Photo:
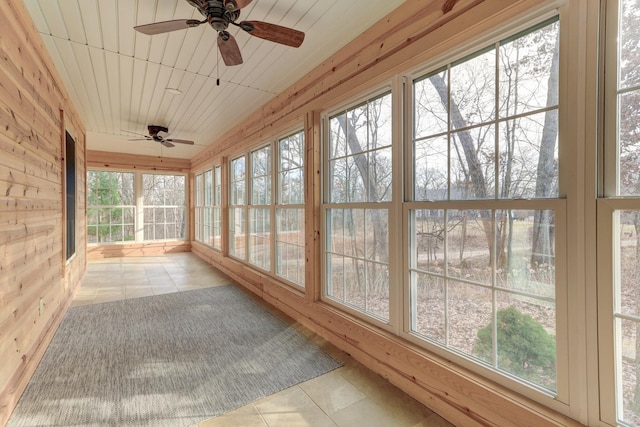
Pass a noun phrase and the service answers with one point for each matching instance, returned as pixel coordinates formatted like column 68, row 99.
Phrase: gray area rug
column 167, row 360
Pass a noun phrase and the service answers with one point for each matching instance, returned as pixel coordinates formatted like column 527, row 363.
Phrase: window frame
column 610, row 201
column 391, row 88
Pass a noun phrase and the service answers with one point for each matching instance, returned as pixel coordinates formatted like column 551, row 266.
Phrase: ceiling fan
column 154, row 135
column 219, row 14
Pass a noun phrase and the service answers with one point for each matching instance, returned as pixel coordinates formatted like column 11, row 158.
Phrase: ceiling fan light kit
column 219, row 14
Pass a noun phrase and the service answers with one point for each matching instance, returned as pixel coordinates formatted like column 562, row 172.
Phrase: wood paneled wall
column 407, row 38
column 36, row 281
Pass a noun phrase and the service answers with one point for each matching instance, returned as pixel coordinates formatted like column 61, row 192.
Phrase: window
column 290, row 255
column 111, row 208
column 619, row 218
column 217, row 206
column 237, row 208
column 135, row 207
column 207, row 229
column 485, row 213
column 358, row 196
column 260, row 209
column 164, row 207
column 70, row 199
column 199, row 204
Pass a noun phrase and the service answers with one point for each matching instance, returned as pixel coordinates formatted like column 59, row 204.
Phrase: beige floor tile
column 292, row 408
column 247, row 416
column 331, row 392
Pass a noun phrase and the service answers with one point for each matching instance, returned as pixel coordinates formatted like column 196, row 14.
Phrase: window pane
column 362, row 172
column 431, row 103
column 358, row 240
column 528, row 246
column 429, row 302
column 166, row 193
column 473, row 164
column 628, row 41
column 237, row 182
column 110, row 198
column 260, row 238
column 291, row 169
column 529, row 156
column 237, row 238
column 528, row 71
column 629, row 140
column 473, row 90
column 261, row 176
column 466, row 272
column 469, row 242
column 290, row 262
column 526, row 339
column 431, row 166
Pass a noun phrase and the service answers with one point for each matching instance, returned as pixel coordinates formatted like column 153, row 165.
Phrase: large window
column 260, row 209
column 290, row 236
column 237, row 207
column 164, row 206
column 619, row 217
column 136, row 207
column 358, row 170
column 207, row 214
column 217, row 206
column 199, row 205
column 482, row 259
column 111, row 208
column 273, row 214
column 208, row 198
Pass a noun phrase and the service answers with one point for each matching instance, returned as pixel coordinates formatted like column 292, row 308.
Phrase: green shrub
column 525, row 348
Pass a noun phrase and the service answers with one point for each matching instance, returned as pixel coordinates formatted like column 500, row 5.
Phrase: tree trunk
column 381, row 239
column 474, row 171
column 542, row 240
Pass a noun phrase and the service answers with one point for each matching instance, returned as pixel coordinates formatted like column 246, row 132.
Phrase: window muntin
column 359, row 172
column 110, row 207
column 485, row 132
column 290, row 230
column 237, row 208
column 164, row 206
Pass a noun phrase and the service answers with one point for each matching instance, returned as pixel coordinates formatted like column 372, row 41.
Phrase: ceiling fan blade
column 273, row 32
column 167, row 26
column 167, row 144
column 229, row 49
column 233, row 5
column 243, row 3
column 180, row 141
column 140, row 139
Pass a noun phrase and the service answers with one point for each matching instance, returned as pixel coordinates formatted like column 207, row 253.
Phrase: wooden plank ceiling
column 117, row 77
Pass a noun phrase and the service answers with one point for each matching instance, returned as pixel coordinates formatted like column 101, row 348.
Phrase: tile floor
column 349, row 396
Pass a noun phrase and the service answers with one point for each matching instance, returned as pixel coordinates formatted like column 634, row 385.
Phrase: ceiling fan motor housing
column 155, row 129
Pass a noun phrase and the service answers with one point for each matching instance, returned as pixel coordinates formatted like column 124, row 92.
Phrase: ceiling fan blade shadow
column 273, row 32
column 167, row 26
column 180, row 141
column 167, row 144
column 229, row 50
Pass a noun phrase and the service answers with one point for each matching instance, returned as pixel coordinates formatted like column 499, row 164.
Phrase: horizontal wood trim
column 136, row 249
column 119, row 161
